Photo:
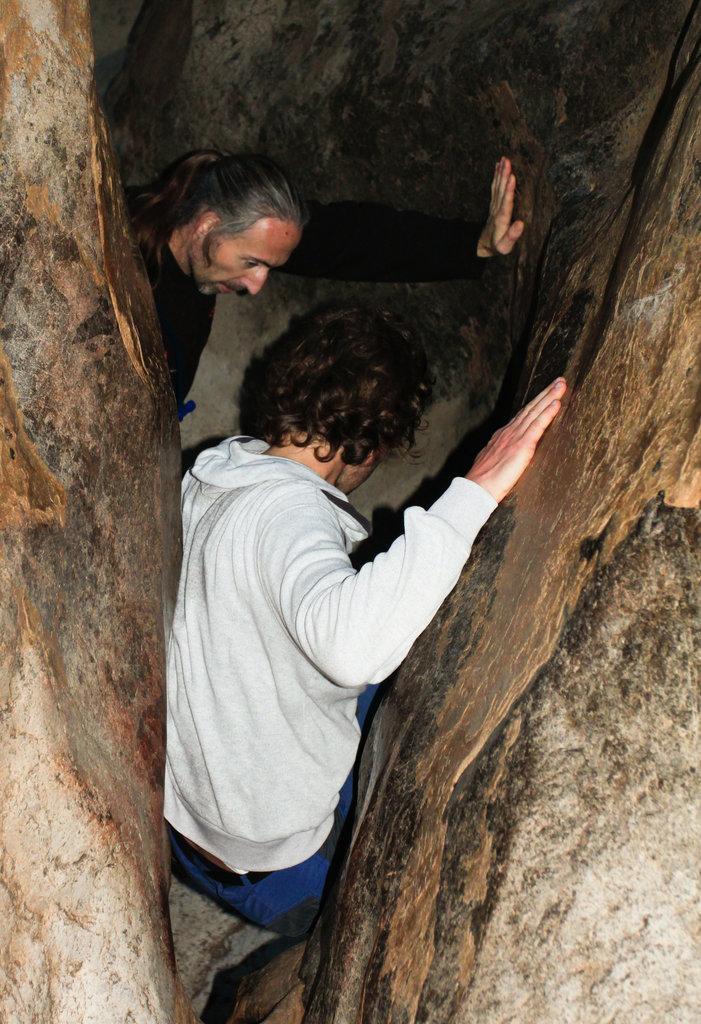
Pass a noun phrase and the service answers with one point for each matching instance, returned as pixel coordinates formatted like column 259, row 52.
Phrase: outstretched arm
column 499, row 235
column 349, row 241
column 501, row 463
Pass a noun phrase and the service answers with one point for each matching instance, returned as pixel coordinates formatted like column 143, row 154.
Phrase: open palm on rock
column 499, row 235
column 501, row 463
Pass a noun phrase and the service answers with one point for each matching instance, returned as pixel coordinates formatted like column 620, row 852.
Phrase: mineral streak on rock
column 28, row 491
column 88, row 556
column 132, row 302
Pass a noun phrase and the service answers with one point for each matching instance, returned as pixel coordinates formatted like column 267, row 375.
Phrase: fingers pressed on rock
column 538, row 405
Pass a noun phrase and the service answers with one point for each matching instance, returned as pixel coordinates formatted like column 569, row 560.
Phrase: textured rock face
column 552, row 876
column 89, row 551
column 591, row 806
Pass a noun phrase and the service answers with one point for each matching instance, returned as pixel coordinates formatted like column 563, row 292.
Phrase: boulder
column 89, row 555
column 528, row 837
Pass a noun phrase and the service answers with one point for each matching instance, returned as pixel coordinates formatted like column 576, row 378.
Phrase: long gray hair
column 239, row 188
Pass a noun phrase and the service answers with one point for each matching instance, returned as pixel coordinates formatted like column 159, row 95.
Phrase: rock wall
column 89, row 470
column 528, row 829
column 537, row 860
column 589, row 805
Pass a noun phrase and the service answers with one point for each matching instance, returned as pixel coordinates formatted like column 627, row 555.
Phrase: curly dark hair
column 355, row 379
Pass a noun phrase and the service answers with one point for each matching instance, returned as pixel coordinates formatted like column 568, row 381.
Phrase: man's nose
column 256, row 278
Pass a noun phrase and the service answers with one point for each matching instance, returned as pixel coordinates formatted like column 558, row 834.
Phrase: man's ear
column 322, row 450
column 205, row 223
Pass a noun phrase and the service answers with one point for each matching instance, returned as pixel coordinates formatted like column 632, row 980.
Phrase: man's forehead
column 268, row 240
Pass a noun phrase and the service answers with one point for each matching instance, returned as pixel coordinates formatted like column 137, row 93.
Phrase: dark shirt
column 343, row 241
column 350, row 241
column 186, row 320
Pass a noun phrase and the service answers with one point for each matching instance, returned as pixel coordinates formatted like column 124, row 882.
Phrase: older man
column 216, row 223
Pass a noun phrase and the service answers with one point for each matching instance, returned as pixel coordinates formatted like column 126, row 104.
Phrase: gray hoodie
column 275, row 636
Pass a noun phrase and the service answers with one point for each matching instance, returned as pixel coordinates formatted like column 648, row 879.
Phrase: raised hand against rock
column 500, row 235
column 501, row 463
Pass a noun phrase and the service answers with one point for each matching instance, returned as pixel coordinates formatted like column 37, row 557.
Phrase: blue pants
column 285, row 901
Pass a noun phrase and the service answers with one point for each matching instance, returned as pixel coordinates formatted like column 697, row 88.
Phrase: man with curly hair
column 276, row 637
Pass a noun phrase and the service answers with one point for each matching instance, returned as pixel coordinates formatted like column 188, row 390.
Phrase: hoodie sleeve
column 356, row 627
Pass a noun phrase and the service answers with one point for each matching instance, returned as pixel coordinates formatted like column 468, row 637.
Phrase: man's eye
column 252, row 263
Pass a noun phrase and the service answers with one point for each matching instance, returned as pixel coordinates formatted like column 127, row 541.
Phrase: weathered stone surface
column 88, row 555
column 585, row 816
column 214, row 949
column 622, row 318
column 273, row 994
column 112, row 21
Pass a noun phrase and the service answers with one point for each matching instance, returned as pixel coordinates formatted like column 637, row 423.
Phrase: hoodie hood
column 242, row 462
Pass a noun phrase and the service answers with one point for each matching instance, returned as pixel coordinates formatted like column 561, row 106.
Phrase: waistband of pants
column 213, row 871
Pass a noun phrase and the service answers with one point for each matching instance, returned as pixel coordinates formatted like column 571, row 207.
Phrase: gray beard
column 206, row 288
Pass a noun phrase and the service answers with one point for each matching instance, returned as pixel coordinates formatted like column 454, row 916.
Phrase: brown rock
column 273, row 994
column 528, row 831
column 88, row 558
column 422, row 888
